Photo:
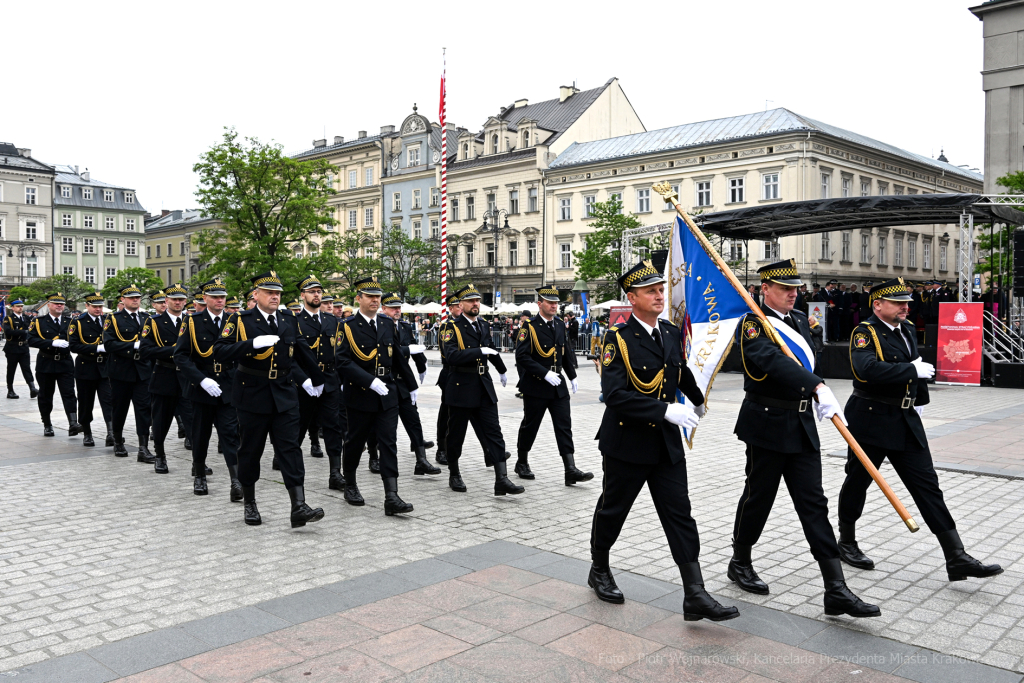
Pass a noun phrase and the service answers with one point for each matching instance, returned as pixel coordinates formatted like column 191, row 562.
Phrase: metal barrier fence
column 505, row 341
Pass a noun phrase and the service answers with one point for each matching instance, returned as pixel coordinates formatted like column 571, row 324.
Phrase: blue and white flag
column 705, row 305
column 796, row 343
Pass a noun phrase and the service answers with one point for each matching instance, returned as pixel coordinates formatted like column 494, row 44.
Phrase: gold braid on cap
column 779, row 272
column 267, row 280
column 368, row 285
column 899, row 288
column 646, row 271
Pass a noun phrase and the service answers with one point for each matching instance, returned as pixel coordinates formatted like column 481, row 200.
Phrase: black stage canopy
column 850, row 213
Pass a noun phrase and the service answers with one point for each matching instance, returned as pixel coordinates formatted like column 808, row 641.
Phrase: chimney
column 24, row 151
column 362, row 134
column 320, row 143
column 339, row 139
column 385, row 130
column 76, row 169
column 521, row 103
column 566, row 91
column 164, row 212
column 85, row 175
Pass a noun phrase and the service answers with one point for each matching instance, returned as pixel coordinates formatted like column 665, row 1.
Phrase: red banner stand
column 959, row 343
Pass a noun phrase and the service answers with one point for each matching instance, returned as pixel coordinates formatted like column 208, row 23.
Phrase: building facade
column 99, row 228
column 170, row 251
column 412, row 187
column 26, row 214
column 764, row 158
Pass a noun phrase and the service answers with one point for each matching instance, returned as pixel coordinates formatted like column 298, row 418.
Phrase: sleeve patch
column 522, row 334
column 447, row 335
column 145, row 331
column 228, row 330
column 750, row 330
column 609, row 354
column 71, row 330
column 106, row 323
column 860, row 340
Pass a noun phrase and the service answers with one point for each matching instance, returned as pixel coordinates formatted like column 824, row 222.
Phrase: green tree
column 73, row 289
column 350, row 264
column 23, row 294
column 997, row 245
column 600, row 263
column 410, row 266
column 143, row 278
column 270, row 207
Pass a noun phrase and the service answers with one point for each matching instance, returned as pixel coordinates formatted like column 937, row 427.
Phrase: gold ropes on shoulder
column 99, row 338
column 244, row 337
column 113, row 319
column 195, row 344
column 643, row 387
column 536, row 344
column 156, row 333
column 355, row 349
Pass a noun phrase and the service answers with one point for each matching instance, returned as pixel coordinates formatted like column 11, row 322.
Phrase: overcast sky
column 135, row 91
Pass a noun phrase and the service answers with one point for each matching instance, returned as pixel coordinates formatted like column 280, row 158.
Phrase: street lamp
column 493, row 227
column 23, row 250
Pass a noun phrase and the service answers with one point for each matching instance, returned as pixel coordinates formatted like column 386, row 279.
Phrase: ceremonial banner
column 959, row 343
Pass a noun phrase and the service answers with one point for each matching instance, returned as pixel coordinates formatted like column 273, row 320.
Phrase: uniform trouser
column 442, row 428
column 88, row 390
column 914, row 466
column 206, row 416
column 533, row 414
column 802, row 471
column 184, row 413
column 410, row 416
column 163, row 408
column 283, row 429
column 322, row 410
column 361, row 425
column 136, row 394
column 485, row 423
column 48, row 381
column 667, row 483
column 13, row 361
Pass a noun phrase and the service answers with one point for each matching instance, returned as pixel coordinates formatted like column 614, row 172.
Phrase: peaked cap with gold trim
column 96, row 299
column 781, row 272
column 131, row 290
column 309, row 282
column 214, row 287
column 640, row 275
column 391, row 300
column 890, row 290
column 268, row 280
column 468, row 292
column 176, row 291
column 548, row 293
column 368, row 285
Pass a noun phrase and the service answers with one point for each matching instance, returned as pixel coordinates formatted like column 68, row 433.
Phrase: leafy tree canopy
column 73, row 289
column 600, row 262
column 143, row 278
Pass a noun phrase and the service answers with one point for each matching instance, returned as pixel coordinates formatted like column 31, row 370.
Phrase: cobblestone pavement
column 95, row 549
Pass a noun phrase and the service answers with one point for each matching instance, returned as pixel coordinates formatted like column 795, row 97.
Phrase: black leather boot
column 199, row 486
column 352, row 495
column 423, row 465
column 849, row 551
column 87, row 440
column 374, row 463
column 74, row 428
column 427, row 444
column 441, row 458
column 314, row 449
column 119, row 449
column 320, row 433
column 697, row 604
column 144, row 455
column 10, row 392
column 302, row 514
column 574, row 475
column 601, row 579
column 392, row 503
column 32, row 390
column 47, row 428
column 839, row 599
column 741, row 571
column 522, row 468
column 188, row 444
column 110, row 435
column 502, row 484
column 250, row 512
column 336, row 481
column 181, row 427
column 160, row 466
column 236, row 486
column 274, row 464
column 207, row 470
column 455, row 482
column 960, row 565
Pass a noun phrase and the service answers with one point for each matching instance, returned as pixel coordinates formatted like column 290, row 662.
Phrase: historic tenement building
column 26, row 206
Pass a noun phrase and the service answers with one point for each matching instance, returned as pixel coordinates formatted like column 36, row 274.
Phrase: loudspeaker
column 1008, row 375
column 1018, row 263
column 659, row 258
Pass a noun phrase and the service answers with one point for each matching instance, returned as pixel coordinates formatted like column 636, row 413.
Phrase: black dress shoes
column 522, row 468
column 199, row 486
column 274, row 464
column 741, row 570
column 336, row 481
column 849, row 551
column 110, row 435
column 32, row 391
column 160, row 466
column 188, row 444
column 87, row 440
column 502, row 484
column 352, row 495
column 392, row 503
column 10, row 393
column 315, row 450
column 144, row 455
column 119, row 449
column 440, row 458
column 47, row 429
column 697, row 604
column 250, row 512
column 574, row 475
column 302, row 514
column 839, row 599
column 960, row 565
column 603, row 583
column 455, row 482
column 236, row 486
column 374, row 463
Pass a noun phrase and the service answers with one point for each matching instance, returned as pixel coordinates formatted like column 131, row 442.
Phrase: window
column 453, row 209
column 108, row 223
column 435, row 197
column 565, row 255
column 435, row 229
column 826, row 185
column 513, row 201
column 943, row 250
column 67, row 245
column 31, row 267
column 926, row 254
column 129, row 224
column 494, row 144
column 897, row 251
column 643, row 201
column 1, row 236
column 588, row 205
column 735, row 250
column 158, row 251
column 65, row 191
column 30, row 230
column 865, row 248
column 417, row 201
column 181, row 248
column 181, row 277
column 470, row 207
column 417, row 229
column 513, row 253
column 396, row 201
column 883, row 245
column 469, row 255
column 353, row 179
column 90, row 274
column 531, row 198
column 492, row 203
column 368, row 217
column 526, row 138
column 68, row 270
column 86, row 221
column 369, row 177
column 531, row 252
column 149, row 251
column 847, row 254
column 883, row 189
column 170, row 249
column 414, row 156
column 490, row 253
column 565, row 209
column 771, row 251
column 770, row 186
column 65, row 220
column 129, row 197
column 897, row 190
column 108, row 195
column 353, row 219
column 735, row 190
column 131, row 248
column 30, row 195
column 111, row 272
column 465, row 150
column 865, row 188
column 912, row 253
column 704, row 193
column 826, row 247
column 844, row 190
column 87, row 193
column 168, row 276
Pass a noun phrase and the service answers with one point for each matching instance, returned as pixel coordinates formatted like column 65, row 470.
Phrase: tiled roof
column 554, row 115
column 176, row 219
column 488, row 159
column 334, row 148
column 66, row 176
column 11, row 158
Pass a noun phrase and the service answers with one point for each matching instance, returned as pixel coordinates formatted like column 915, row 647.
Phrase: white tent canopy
column 608, row 304
column 432, row 307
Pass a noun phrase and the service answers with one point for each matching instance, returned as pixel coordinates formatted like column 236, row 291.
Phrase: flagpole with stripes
column 444, row 193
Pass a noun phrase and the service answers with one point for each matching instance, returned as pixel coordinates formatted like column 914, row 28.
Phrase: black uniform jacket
column 263, row 380
column 195, row 359
column 41, row 334
column 469, row 383
column 543, row 348
column 364, row 355
column 85, row 335
column 638, row 381
column 407, row 337
column 442, row 377
column 768, row 372
column 159, row 335
column 16, row 334
column 320, row 336
column 882, row 370
column 124, row 362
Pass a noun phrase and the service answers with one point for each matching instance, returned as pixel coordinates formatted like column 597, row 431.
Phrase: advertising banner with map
column 959, row 343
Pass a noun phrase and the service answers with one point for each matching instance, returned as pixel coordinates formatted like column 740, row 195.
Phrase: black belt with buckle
column 383, row 372
column 269, row 374
column 905, row 403
column 555, row 369
column 475, row 370
column 799, row 406
column 326, row 367
column 166, row 364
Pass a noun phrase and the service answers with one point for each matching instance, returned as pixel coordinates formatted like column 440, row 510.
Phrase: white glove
column 417, row 348
column 924, row 370
column 210, row 386
column 265, row 340
column 61, row 344
column 101, row 349
column 701, row 409
column 575, row 386
column 553, row 379
column 136, row 345
column 412, row 396
column 828, row 405
column 682, row 415
column 379, row 387
column 920, row 410
column 423, row 376
column 308, row 386
column 488, row 351
column 504, row 379
column 319, row 389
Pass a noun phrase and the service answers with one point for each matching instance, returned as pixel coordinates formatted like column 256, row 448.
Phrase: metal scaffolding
column 965, row 258
column 630, row 237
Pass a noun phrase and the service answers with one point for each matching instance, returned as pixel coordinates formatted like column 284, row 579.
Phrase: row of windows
column 170, row 249
column 108, row 195
column 417, row 199
column 469, row 254
column 67, row 246
column 89, row 273
column 846, row 187
column 67, row 220
column 900, row 256
column 353, row 178
column 353, row 218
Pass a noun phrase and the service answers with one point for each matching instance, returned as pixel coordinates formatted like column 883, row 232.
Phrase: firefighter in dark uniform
column 319, row 330
column 642, row 367
column 371, row 366
column 85, row 335
column 776, row 424
column 159, row 334
column 407, row 411
column 264, row 343
column 543, row 350
column 889, row 395
column 207, row 384
column 16, row 348
column 54, row 365
column 129, row 372
column 469, row 392
column 183, row 412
